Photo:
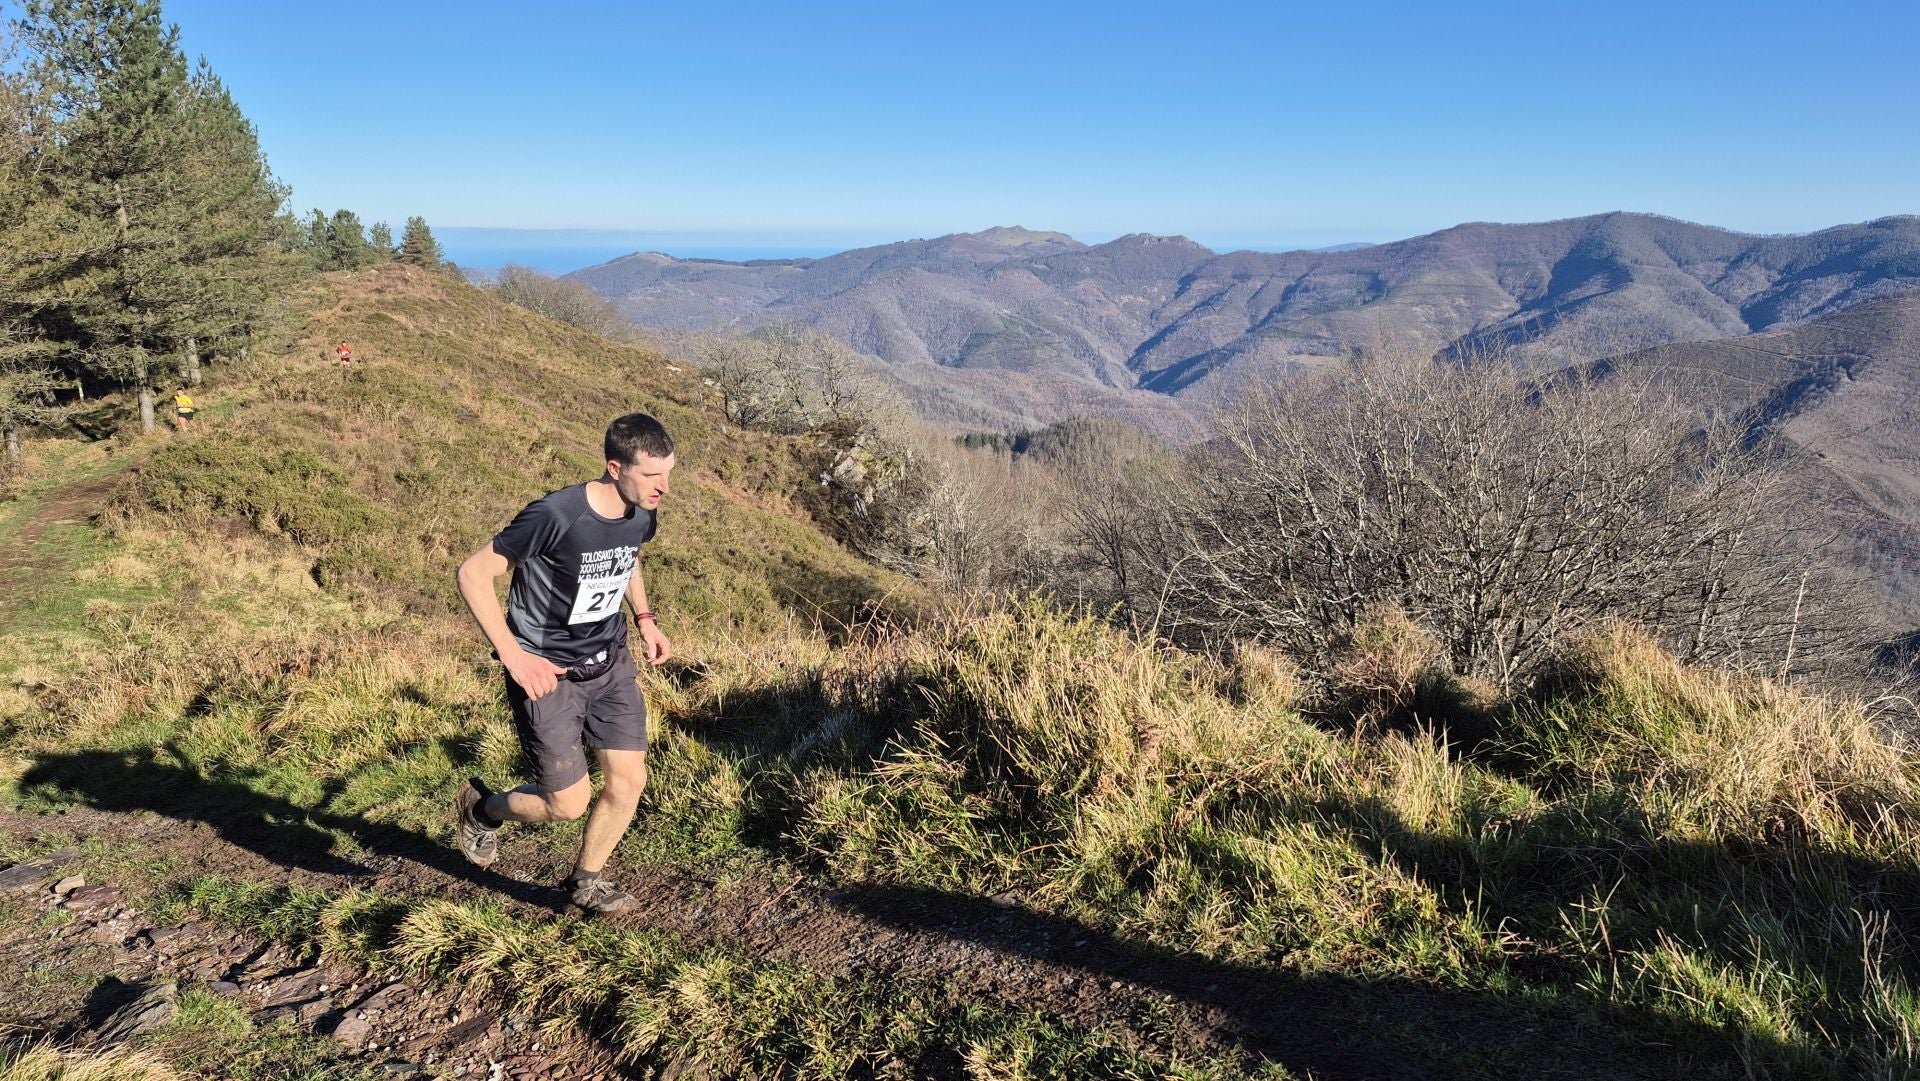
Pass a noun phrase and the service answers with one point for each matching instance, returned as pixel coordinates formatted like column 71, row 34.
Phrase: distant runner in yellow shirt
column 183, row 408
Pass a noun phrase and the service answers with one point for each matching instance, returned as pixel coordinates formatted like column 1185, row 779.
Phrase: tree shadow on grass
column 1555, row 1016
column 1332, row 1026
column 1787, row 910
column 276, row 829
column 1552, row 1016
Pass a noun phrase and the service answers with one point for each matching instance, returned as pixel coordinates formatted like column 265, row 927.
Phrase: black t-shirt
column 570, row 569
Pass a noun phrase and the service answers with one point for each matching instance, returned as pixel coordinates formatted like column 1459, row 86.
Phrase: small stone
column 352, row 1031
column 91, row 898
column 1114, row 986
column 223, row 987
column 68, row 885
column 294, row 987
column 155, row 1007
column 31, row 873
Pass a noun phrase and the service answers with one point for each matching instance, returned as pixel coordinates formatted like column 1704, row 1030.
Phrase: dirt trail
column 72, row 505
column 986, row 950
column 109, row 954
column 989, row 950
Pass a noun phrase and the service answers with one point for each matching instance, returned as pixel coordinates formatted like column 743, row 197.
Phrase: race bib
column 603, row 578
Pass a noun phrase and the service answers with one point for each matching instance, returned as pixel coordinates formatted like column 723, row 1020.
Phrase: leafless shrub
column 1108, row 510
column 563, row 301
column 879, row 490
column 1500, row 512
column 789, row 379
column 980, row 529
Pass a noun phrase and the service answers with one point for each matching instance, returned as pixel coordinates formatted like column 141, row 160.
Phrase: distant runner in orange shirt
column 346, row 353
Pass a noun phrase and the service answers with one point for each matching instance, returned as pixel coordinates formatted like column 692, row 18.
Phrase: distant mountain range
column 1844, row 392
column 1166, row 315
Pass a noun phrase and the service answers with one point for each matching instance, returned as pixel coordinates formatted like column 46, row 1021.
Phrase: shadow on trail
column 1331, row 1026
column 276, row 829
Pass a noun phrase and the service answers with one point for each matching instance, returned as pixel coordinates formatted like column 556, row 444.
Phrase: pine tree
column 381, row 238
column 417, row 245
column 159, row 181
column 29, row 362
column 115, row 80
column 319, row 247
column 236, row 254
column 347, row 247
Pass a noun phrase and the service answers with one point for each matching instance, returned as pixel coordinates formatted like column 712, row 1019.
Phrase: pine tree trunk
column 146, row 397
column 193, row 362
column 13, row 445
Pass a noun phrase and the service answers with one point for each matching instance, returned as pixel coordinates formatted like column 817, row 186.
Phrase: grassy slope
column 1658, row 870
column 266, row 619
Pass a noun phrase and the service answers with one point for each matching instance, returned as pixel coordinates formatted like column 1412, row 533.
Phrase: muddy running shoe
column 599, row 898
column 479, row 842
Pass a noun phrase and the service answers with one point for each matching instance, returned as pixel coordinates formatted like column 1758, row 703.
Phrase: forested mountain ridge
column 1169, row 315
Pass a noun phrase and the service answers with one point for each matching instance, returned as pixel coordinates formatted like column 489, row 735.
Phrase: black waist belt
column 581, row 671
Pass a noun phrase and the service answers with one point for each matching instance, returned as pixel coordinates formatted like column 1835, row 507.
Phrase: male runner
column 574, row 553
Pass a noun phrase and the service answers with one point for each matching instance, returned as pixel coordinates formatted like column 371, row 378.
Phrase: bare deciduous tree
column 563, row 301
column 784, row 378
column 1502, row 512
column 978, row 525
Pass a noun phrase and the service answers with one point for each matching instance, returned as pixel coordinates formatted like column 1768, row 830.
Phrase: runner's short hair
column 635, row 434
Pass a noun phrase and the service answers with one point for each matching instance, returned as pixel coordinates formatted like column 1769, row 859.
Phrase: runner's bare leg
column 531, row 803
column 624, row 777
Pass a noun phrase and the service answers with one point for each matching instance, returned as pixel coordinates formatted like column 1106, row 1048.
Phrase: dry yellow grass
column 43, row 1062
column 1724, row 755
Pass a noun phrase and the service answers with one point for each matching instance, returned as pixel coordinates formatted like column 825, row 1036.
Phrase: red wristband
column 638, row 616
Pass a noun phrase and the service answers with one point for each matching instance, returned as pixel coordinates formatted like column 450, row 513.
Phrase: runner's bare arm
column 658, row 649
column 535, row 675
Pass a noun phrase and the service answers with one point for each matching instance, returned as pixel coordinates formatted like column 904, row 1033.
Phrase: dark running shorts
column 605, row 713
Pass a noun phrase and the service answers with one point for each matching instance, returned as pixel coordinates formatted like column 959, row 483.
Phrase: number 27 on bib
column 598, row 598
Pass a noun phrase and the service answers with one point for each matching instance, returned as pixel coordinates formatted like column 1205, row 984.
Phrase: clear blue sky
column 1264, row 124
